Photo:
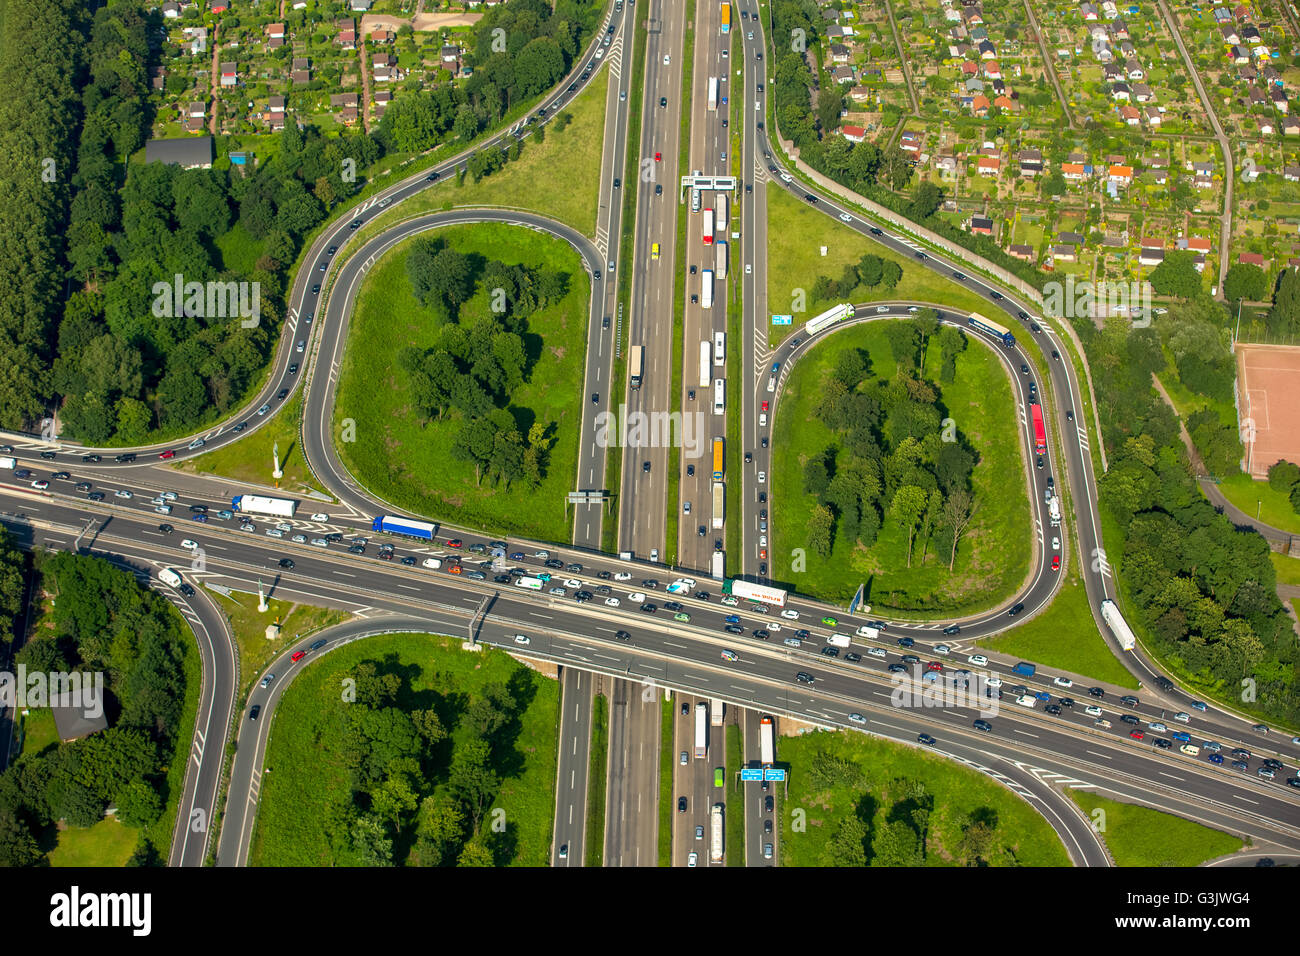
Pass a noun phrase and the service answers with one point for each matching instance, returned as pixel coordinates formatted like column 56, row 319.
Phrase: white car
column 1062, row 682
column 666, row 59
column 299, row 539
column 786, row 178
column 1183, row 718
column 845, row 217
column 790, row 614
column 1092, row 710
column 433, row 563
column 1158, row 727
column 941, row 648
column 762, row 477
column 169, row 495
column 248, row 526
column 857, row 718
column 523, row 639
column 749, row 268
column 636, row 597
column 188, row 544
column 284, row 526
column 993, row 682
column 572, row 583
column 1056, row 544
column 688, row 582
column 123, row 493
column 692, row 859
column 542, row 554
column 773, row 626
column 274, row 533
column 161, row 509
column 623, row 576
column 978, row 659
column 876, row 652
column 320, row 517
column 319, row 543
column 611, row 602
column 686, row 507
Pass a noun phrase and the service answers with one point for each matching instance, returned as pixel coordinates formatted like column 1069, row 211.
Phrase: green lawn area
column 302, row 774
column 255, row 651
column 733, row 795
column 1287, row 568
column 1140, row 836
column 107, row 843
column 1251, row 496
column 559, row 178
column 409, row 463
column 1021, row 836
column 1064, row 636
column 795, row 236
column 251, row 458
column 992, row 559
column 667, row 761
column 39, row 731
column 596, row 781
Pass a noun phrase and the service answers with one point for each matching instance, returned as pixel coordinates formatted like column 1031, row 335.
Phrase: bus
column 726, row 17
column 719, row 396
column 1040, row 434
column 721, row 207
column 708, row 227
column 719, row 349
column 634, row 364
column 754, row 592
column 765, row 742
column 717, row 459
column 713, row 93
column 989, row 327
column 706, row 288
column 721, row 258
column 828, row 318
column 701, row 729
column 706, row 366
column 715, row 836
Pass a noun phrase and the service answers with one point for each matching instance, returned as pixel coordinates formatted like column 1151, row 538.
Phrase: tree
column 17, row 845
column 897, row 844
column 958, row 510
column 472, row 779
column 1245, row 281
column 1176, row 276
column 926, row 198
column 475, row 853
column 820, row 525
column 847, row 846
column 978, row 838
column 1283, row 475
column 909, row 502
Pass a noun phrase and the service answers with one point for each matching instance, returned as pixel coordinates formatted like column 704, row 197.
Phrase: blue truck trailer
column 1025, row 669
column 391, row 524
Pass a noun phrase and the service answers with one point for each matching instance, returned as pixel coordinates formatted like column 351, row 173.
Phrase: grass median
column 597, row 780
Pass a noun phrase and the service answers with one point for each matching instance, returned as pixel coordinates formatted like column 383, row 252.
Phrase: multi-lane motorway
column 1028, row 750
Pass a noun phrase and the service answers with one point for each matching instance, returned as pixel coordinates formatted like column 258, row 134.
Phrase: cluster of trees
column 103, row 621
column 903, row 836
column 870, row 271
column 424, row 768
column 519, row 50
column 41, row 60
column 13, row 583
column 895, row 454
column 1201, row 589
column 1284, row 477
column 473, row 370
column 809, row 116
column 1283, row 319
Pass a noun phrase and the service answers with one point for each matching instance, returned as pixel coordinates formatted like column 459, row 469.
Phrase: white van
column 9, row 463
column 169, row 577
column 432, row 563
column 1027, row 700
column 838, row 640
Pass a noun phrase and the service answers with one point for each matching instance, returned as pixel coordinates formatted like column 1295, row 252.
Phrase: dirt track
column 421, row 22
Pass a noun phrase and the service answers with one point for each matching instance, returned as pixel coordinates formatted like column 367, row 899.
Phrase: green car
column 543, row 576
column 829, row 621
column 682, row 616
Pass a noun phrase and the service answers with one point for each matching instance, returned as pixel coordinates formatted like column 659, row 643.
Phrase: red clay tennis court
column 1268, row 383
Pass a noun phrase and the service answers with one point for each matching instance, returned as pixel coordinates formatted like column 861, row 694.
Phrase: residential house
column 1089, row 13
column 1153, row 116
column 947, row 166
column 1291, row 127
column 1251, row 259
column 1031, row 162
column 219, row 6
column 275, row 31
column 382, row 37
column 1063, row 253
column 1150, row 256
column 1279, row 100
column 1120, row 91
column 171, row 11
column 1229, row 34
column 1130, row 115
column 1073, row 172
column 981, row 225
column 979, row 105
column 347, row 39
column 1071, row 238
column 839, row 53
column 1291, row 174
column 1142, row 93
column 987, row 50
column 854, row 134
column 229, row 75
column 1121, row 175
column 276, row 105
column 188, row 153
column 343, row 100
column 910, row 142
column 1022, row 252
column 989, row 165
column 1133, row 69
column 992, row 70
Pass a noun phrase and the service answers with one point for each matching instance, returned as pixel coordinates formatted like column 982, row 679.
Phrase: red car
column 455, row 543
column 1136, row 734
column 764, row 404
column 455, row 569
column 658, row 157
column 298, row 655
column 934, row 666
column 1056, row 562
column 167, row 454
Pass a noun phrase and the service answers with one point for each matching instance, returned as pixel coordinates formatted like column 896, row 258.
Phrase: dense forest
column 89, row 234
column 102, row 620
column 894, row 454
column 472, row 371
